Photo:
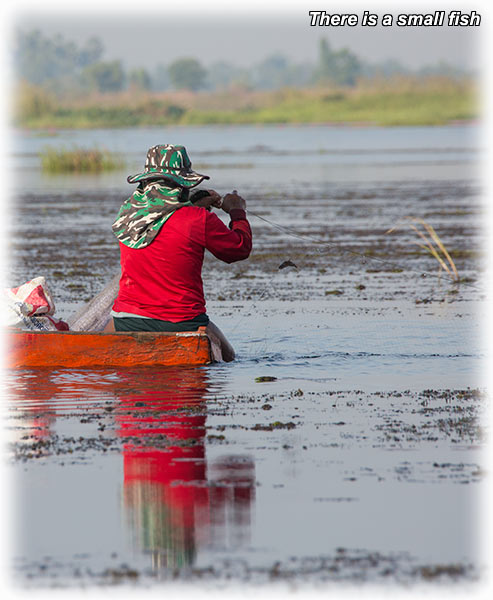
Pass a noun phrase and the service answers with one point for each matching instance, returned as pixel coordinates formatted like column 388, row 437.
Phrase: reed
column 79, row 160
column 431, row 242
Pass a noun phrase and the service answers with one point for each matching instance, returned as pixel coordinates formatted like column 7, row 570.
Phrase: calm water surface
column 270, row 156
column 344, row 467
column 360, row 460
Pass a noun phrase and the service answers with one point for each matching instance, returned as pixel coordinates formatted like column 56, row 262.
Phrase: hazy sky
column 160, row 32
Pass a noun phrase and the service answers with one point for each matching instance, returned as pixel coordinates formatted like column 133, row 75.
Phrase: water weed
column 79, row 160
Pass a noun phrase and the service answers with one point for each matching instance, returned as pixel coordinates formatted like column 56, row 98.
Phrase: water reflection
column 175, row 500
column 175, row 503
column 32, row 393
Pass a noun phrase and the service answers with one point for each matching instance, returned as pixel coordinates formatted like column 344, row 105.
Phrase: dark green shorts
column 138, row 324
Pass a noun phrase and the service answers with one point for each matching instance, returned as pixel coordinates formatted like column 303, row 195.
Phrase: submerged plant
column 79, row 160
column 432, row 244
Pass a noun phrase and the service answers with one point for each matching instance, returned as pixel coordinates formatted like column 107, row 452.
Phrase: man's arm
column 235, row 243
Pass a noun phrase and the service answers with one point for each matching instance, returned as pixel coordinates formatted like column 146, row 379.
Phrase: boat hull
column 27, row 349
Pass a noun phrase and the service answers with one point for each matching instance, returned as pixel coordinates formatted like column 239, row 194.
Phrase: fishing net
column 95, row 314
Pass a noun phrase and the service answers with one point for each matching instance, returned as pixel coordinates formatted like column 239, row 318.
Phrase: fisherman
column 163, row 230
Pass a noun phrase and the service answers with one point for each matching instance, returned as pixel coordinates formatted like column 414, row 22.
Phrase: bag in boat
column 30, row 307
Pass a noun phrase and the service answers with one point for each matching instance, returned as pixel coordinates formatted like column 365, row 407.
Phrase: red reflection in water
column 172, row 505
column 35, row 393
column 175, row 502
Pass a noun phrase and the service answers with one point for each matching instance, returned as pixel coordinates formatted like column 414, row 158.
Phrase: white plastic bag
column 30, row 307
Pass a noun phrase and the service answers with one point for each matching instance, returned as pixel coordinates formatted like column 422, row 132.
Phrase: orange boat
column 27, row 349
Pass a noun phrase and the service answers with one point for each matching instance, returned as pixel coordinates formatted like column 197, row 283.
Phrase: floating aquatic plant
column 79, row 160
column 264, row 378
column 432, row 244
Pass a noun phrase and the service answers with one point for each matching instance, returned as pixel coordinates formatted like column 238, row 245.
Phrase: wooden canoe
column 27, row 349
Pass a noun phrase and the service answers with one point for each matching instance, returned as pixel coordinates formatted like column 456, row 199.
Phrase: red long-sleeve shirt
column 164, row 280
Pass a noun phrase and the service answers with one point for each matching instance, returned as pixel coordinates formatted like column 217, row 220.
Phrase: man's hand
column 213, row 199
column 232, row 201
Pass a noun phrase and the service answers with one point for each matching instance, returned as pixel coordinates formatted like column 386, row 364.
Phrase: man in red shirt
column 163, row 231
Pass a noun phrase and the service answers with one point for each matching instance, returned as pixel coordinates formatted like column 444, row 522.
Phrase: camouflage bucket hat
column 169, row 162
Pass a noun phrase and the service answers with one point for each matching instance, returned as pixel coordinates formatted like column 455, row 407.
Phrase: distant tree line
column 63, row 66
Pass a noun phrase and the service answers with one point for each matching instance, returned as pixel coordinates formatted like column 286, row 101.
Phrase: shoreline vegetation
column 396, row 101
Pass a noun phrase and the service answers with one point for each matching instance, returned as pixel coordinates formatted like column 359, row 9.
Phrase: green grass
column 385, row 103
column 79, row 160
column 384, row 109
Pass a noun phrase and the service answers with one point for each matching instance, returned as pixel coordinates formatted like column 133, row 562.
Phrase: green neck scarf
column 143, row 214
